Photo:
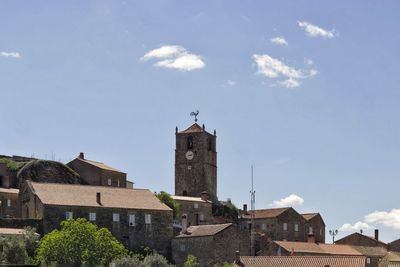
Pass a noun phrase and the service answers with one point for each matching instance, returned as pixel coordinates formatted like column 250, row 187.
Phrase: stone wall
column 21, row 223
column 157, row 235
column 194, row 214
column 318, row 228
column 9, row 205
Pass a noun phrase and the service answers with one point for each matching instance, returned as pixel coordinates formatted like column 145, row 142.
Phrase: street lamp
column 333, row 233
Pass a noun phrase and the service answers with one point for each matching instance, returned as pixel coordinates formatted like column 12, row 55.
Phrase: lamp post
column 333, row 233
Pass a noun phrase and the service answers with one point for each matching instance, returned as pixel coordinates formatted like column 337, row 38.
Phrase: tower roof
column 195, row 128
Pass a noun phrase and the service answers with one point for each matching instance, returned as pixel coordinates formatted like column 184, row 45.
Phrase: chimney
column 204, row 196
column 245, row 208
column 204, row 127
column 237, row 257
column 184, row 224
column 376, row 234
column 81, row 155
column 98, row 198
column 311, row 238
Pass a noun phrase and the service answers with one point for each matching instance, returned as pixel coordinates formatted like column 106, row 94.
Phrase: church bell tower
column 196, row 162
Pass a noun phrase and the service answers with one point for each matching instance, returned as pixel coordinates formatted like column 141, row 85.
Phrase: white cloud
column 308, row 61
column 175, row 57
column 279, row 41
column 292, row 200
column 273, row 68
column 315, row 31
column 387, row 218
column 230, row 83
column 347, row 227
column 10, row 54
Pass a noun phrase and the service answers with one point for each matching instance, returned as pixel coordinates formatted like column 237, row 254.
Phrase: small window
column 201, row 217
column 196, row 205
column 115, row 217
column 184, row 193
column 147, row 218
column 118, row 184
column 263, row 226
column 190, row 142
column 132, row 221
column 109, row 181
column 310, row 230
column 69, row 215
column 209, row 144
column 182, row 247
column 368, row 260
column 8, row 202
column 92, row 216
column 296, row 227
column 284, row 226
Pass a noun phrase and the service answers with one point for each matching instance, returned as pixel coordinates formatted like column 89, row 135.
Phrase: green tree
column 132, row 261
column 156, row 260
column 79, row 241
column 191, row 261
column 166, row 198
column 225, row 264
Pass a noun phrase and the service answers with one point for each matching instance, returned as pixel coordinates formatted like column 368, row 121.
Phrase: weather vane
column 194, row 114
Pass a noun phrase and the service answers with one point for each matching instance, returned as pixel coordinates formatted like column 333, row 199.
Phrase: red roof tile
column 195, row 128
column 204, row 230
column 266, row 213
column 302, row 261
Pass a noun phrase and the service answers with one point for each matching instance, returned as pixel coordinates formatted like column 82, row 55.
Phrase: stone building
column 198, row 210
column 195, row 162
column 211, row 244
column 315, row 226
column 97, row 173
column 134, row 216
column 358, row 239
column 9, row 204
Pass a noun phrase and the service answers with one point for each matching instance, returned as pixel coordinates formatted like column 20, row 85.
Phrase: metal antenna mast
column 253, row 207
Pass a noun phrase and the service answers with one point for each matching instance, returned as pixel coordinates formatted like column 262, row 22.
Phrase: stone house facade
column 9, row 203
column 134, row 216
column 195, row 162
column 358, row 239
column 315, row 226
column 211, row 244
column 198, row 210
column 97, row 173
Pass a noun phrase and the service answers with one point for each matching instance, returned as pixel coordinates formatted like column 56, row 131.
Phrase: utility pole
column 253, row 207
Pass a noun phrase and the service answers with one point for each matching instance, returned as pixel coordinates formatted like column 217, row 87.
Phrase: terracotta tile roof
column 12, row 231
column 371, row 251
column 314, row 248
column 9, row 190
column 195, row 128
column 204, row 230
column 85, row 196
column 266, row 213
column 302, row 261
column 309, row 216
column 99, row 165
column 194, row 199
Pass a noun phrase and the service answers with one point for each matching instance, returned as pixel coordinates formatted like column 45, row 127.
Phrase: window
column 368, row 260
column 8, row 202
column 92, row 216
column 109, row 181
column 184, row 193
column 201, row 217
column 132, row 221
column 147, row 218
column 68, row 215
column 118, row 183
column 115, row 217
column 182, row 247
column 209, row 144
column 296, row 227
column 190, row 142
column 263, row 226
column 284, row 226
column 196, row 205
column 310, row 230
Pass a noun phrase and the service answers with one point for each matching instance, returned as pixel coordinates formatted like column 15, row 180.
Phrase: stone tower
column 196, row 162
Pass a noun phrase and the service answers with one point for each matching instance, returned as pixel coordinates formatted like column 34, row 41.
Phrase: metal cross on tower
column 194, row 114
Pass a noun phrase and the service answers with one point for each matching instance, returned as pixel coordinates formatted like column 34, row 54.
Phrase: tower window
column 209, row 144
column 190, row 142
column 184, row 193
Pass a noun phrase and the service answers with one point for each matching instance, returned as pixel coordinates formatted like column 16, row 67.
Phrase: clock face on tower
column 189, row 155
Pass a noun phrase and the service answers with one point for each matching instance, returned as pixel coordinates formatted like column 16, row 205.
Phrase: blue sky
column 315, row 110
